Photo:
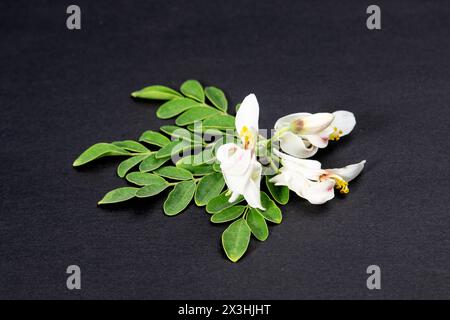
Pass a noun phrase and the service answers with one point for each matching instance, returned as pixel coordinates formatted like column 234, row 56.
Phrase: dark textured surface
column 62, row 91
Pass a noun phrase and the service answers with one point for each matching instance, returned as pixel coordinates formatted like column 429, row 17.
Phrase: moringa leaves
column 119, row 195
column 279, row 193
column 179, row 198
column 155, row 138
column 228, row 214
column 99, row 150
column 174, row 173
column 272, row 212
column 217, row 98
column 221, row 202
column 174, row 107
column 195, row 114
column 235, row 239
column 152, row 163
column 209, row 187
column 131, row 145
column 128, row 164
column 257, row 224
column 193, row 89
column 156, row 93
column 144, row 178
column 222, row 122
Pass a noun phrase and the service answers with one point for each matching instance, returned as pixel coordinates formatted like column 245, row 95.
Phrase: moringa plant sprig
column 218, row 160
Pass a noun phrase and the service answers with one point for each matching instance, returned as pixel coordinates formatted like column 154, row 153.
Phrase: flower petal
column 286, row 120
column 248, row 114
column 310, row 169
column 349, row 172
column 233, row 159
column 344, row 121
column 252, row 192
column 319, row 140
column 314, row 123
column 318, row 192
column 294, row 145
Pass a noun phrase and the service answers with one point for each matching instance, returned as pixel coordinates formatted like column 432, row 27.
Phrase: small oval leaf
column 279, row 193
column 235, row 239
column 195, row 114
column 179, row 198
column 193, row 89
column 272, row 212
column 119, row 195
column 144, row 178
column 155, row 138
column 174, row 107
column 99, row 150
column 223, row 122
column 209, row 187
column 228, row 214
column 128, row 164
column 220, row 203
column 131, row 146
column 174, row 173
column 151, row 190
column 152, row 163
column 257, row 224
column 156, row 92
column 217, row 98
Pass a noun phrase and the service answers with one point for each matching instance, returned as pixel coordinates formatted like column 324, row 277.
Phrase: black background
column 62, row 91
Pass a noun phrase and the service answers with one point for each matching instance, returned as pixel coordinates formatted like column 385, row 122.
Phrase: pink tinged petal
column 349, row 172
column 314, row 123
column 294, row 145
column 233, row 159
column 318, row 140
column 248, row 114
column 319, row 192
column 344, row 121
column 286, row 120
column 310, row 169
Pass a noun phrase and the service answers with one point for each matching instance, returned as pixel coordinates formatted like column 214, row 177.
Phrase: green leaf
column 118, row 195
column 175, row 147
column 235, row 239
column 156, row 93
column 223, row 121
column 144, row 178
column 217, row 98
column 174, row 173
column 209, row 187
column 206, row 156
column 128, row 164
column 174, row 107
column 193, row 89
column 228, row 214
column 257, row 224
column 205, row 131
column 151, row 189
column 199, row 170
column 220, row 203
column 272, row 212
column 97, row 151
column 180, row 133
column 195, row 114
column 152, row 163
column 131, row 146
column 155, row 138
column 179, row 198
column 279, row 193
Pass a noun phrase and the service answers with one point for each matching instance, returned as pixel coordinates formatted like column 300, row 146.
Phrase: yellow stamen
column 340, row 184
column 335, row 135
column 246, row 136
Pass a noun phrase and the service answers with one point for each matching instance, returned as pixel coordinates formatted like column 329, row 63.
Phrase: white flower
column 240, row 169
column 310, row 181
column 301, row 134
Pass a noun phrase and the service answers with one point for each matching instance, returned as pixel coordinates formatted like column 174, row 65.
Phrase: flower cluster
column 300, row 135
